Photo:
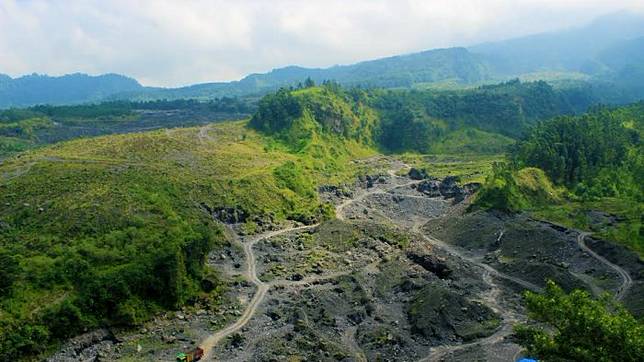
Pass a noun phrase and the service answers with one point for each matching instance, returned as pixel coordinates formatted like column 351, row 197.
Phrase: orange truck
column 190, row 356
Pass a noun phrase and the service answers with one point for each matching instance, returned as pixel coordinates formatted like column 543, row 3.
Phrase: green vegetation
column 595, row 154
column 510, row 190
column 575, row 327
column 471, row 141
column 480, row 120
column 610, row 218
column 298, row 117
column 467, row 167
column 595, row 162
column 17, row 136
column 483, row 120
column 111, row 230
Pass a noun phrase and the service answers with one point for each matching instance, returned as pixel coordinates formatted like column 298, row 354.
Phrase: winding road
column 627, row 281
column 491, row 299
column 262, row 288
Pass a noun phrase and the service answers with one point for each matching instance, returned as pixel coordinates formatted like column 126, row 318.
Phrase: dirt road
column 262, row 288
column 627, row 281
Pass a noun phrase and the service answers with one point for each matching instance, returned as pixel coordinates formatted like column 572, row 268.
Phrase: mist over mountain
column 577, row 50
column 608, row 50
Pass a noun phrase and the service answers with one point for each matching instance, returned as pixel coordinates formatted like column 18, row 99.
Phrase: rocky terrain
column 402, row 273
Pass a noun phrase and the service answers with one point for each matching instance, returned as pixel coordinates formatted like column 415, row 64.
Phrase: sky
column 174, row 43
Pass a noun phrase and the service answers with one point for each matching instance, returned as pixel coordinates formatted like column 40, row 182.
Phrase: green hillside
column 112, row 229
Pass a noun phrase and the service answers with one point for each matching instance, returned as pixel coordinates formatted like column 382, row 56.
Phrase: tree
column 575, row 327
column 309, row 83
column 9, row 269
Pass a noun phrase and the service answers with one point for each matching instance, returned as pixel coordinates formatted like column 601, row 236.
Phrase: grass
column 468, row 167
column 472, row 141
column 576, row 214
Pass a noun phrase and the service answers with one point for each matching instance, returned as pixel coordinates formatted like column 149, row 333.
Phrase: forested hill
column 484, row 119
column 596, row 154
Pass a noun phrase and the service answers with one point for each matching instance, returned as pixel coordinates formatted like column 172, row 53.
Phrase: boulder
column 449, row 188
column 431, row 263
column 418, row 174
column 227, row 214
column 430, row 188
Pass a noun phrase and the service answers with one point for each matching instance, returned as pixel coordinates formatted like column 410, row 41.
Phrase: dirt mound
column 441, row 314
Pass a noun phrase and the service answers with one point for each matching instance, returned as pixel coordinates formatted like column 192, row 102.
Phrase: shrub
column 575, row 327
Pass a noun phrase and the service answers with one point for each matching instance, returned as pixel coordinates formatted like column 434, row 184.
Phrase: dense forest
column 597, row 154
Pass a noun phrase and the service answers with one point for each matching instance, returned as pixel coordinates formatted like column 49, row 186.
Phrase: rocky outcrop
column 335, row 190
column 430, row 188
column 418, row 174
column 86, row 347
column 447, row 188
column 370, row 180
column 431, row 263
column 227, row 214
column 471, row 187
column 230, row 215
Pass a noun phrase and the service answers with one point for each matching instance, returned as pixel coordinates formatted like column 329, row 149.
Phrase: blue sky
column 171, row 43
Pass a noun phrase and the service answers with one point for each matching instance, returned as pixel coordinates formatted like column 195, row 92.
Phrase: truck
column 190, row 356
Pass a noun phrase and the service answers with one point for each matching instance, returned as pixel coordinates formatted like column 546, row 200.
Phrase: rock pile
column 447, row 188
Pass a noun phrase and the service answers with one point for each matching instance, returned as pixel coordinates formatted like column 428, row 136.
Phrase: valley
column 322, row 228
column 379, row 181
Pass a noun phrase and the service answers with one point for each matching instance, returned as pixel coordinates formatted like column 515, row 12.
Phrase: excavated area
column 524, row 248
column 391, row 308
column 402, row 274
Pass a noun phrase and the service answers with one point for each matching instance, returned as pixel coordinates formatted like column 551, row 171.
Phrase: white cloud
column 180, row 42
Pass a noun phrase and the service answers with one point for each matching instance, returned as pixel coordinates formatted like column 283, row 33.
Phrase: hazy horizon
column 171, row 44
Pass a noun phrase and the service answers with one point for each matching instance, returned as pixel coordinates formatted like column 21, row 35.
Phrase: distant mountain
column 73, row 88
column 399, row 71
column 451, row 64
column 576, row 49
column 601, row 49
column 623, row 54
